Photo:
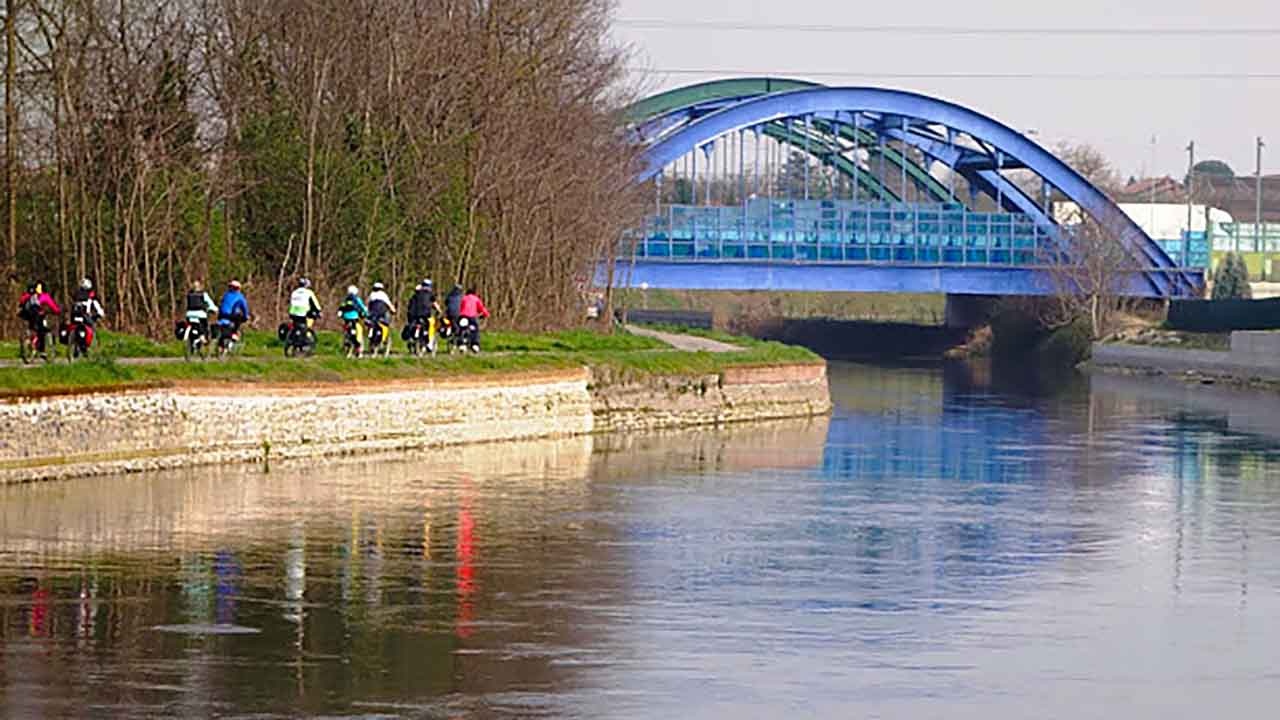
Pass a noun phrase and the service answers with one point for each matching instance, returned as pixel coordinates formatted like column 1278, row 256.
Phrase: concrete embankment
column 1253, row 357
column 83, row 435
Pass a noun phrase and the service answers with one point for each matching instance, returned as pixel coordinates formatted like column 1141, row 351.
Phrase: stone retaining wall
column 1253, row 356
column 741, row 395
column 95, row 434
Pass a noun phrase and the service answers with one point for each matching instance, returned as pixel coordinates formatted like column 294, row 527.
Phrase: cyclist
column 86, row 303
column 352, row 311
column 34, row 307
column 452, row 307
column 472, row 308
column 423, row 303
column 303, row 305
column 423, row 312
column 199, row 305
column 380, row 311
column 233, row 311
column 86, row 310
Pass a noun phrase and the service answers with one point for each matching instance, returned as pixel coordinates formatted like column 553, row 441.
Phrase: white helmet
column 86, row 284
column 353, row 290
column 379, row 286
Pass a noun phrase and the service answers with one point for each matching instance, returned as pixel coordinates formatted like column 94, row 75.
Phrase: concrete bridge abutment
column 965, row 312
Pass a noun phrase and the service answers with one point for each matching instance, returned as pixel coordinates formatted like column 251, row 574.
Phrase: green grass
column 728, row 306
column 618, row 357
column 266, row 344
column 109, row 374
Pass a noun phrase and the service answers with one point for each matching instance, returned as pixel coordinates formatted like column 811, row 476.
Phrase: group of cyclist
column 458, row 316
column 36, row 306
column 368, row 321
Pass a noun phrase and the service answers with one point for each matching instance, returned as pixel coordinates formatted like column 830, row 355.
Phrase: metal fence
column 1246, row 237
column 1219, row 316
column 846, row 231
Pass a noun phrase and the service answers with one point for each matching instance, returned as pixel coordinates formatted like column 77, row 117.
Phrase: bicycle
column 195, row 343
column 351, row 347
column 36, row 343
column 379, row 337
column 228, row 338
column 421, row 337
column 298, row 337
column 79, row 337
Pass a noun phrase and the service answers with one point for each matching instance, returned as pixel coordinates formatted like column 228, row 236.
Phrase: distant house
column 1238, row 196
column 1145, row 190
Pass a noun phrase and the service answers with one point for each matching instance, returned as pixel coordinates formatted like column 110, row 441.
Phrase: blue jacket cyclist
column 233, row 311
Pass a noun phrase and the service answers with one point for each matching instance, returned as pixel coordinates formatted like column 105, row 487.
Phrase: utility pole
column 1257, row 211
column 1151, row 180
column 10, row 139
column 1191, row 184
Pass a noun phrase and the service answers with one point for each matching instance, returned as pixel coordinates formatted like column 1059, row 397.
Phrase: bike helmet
column 353, row 290
column 379, row 286
column 86, row 284
column 234, row 284
column 304, row 283
column 426, row 283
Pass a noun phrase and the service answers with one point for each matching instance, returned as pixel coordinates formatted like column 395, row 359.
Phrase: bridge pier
column 965, row 312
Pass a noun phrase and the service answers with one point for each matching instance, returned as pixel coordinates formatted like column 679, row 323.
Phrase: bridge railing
column 844, row 232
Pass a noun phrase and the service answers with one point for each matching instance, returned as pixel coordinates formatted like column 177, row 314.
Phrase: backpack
column 454, row 303
column 30, row 309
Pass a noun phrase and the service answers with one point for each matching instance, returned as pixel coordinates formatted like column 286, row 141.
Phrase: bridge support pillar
column 965, row 312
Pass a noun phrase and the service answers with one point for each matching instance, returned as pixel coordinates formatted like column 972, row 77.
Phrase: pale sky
column 1113, row 102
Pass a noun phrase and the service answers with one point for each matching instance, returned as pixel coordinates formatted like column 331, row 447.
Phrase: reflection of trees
column 354, row 576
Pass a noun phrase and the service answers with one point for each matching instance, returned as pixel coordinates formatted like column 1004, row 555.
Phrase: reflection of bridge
column 778, row 184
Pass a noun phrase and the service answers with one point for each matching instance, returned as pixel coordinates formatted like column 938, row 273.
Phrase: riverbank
column 1252, row 358
column 218, row 416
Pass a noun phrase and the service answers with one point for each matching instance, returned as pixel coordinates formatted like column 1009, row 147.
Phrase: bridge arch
column 685, row 120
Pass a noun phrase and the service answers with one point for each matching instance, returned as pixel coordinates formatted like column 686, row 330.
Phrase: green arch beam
column 691, row 95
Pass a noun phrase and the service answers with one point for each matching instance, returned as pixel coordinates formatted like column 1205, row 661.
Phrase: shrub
column 1231, row 279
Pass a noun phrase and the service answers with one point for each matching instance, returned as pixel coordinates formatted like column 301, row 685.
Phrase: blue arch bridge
column 763, row 183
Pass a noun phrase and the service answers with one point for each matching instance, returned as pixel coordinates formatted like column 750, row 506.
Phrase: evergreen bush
column 1231, row 279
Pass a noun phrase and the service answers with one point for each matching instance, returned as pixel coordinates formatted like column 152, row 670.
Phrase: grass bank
column 619, row 356
column 734, row 308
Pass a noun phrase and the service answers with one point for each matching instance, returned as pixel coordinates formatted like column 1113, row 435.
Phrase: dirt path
column 690, row 343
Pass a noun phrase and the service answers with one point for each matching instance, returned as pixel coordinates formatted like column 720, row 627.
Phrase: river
column 945, row 545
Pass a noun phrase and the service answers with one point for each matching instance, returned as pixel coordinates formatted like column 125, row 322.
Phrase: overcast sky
column 1118, row 106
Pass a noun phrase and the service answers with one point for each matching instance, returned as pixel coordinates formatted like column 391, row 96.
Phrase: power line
column 962, row 75
column 971, row 31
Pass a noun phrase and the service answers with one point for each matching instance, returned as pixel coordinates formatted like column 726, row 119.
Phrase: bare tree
column 1090, row 274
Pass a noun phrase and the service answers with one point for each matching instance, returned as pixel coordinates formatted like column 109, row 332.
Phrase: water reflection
column 945, row 544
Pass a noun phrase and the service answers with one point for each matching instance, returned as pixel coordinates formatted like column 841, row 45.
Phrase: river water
column 945, row 545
